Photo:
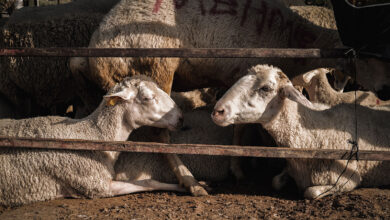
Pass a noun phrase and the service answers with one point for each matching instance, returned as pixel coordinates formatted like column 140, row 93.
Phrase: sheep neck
column 320, row 90
column 109, row 123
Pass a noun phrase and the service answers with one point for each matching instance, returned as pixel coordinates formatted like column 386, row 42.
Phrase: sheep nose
column 218, row 112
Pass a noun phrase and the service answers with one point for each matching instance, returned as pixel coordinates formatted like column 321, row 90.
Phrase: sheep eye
column 265, row 89
column 147, row 99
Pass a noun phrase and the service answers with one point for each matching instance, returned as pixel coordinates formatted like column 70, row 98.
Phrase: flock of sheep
column 135, row 93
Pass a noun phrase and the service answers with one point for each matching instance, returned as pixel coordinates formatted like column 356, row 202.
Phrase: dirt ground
column 247, row 200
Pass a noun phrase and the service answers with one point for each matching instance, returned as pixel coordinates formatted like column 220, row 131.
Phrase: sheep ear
column 291, row 93
column 124, row 94
column 309, row 75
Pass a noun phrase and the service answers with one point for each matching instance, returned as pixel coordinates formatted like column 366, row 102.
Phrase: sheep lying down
column 266, row 96
column 29, row 175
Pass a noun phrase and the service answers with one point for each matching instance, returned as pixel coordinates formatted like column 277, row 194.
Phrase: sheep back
column 30, row 175
column 191, row 24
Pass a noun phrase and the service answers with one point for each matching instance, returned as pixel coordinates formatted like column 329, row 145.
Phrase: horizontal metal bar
column 226, row 150
column 176, row 52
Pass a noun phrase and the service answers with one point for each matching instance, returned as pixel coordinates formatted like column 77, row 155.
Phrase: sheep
column 195, row 105
column 46, row 85
column 266, row 96
column 319, row 90
column 170, row 24
column 29, row 175
column 166, row 25
column 27, row 85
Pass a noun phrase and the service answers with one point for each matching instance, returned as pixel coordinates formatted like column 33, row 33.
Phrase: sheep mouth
column 223, row 122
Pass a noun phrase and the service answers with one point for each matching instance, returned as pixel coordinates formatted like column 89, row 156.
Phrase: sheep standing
column 266, row 96
column 29, row 175
column 168, row 24
column 190, row 24
column 319, row 90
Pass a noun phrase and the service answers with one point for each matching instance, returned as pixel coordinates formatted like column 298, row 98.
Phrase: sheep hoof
column 205, row 185
column 317, row 192
column 198, row 190
column 192, row 185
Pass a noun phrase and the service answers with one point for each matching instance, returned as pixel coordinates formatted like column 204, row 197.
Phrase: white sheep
column 29, row 175
column 266, row 96
column 319, row 90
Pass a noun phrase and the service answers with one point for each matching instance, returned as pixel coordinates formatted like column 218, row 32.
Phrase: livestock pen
column 253, row 201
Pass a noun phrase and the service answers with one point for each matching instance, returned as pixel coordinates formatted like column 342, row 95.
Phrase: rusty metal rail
column 176, row 52
column 225, row 150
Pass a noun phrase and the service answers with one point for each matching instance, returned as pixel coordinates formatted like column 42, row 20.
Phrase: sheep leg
column 182, row 173
column 184, row 176
column 122, row 188
column 280, row 180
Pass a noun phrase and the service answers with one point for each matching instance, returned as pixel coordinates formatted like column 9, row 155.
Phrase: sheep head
column 305, row 80
column 256, row 97
column 340, row 80
column 144, row 103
